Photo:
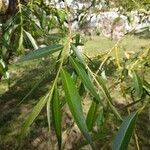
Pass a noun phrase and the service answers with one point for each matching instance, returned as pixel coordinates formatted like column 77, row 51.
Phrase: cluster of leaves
column 77, row 78
column 33, row 24
column 74, row 75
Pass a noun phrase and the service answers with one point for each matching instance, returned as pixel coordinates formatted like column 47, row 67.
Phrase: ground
column 25, row 76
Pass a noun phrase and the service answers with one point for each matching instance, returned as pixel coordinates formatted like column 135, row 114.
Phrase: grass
column 24, row 76
column 12, row 114
column 99, row 45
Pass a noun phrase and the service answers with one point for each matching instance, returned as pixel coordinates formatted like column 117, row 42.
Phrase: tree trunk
column 10, row 9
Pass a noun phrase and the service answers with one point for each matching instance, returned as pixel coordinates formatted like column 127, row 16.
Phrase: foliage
column 94, row 83
column 125, row 132
column 35, row 22
column 130, row 4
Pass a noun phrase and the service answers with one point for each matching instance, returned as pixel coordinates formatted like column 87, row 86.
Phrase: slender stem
column 107, row 55
column 109, row 102
column 117, row 57
column 136, row 141
column 65, row 53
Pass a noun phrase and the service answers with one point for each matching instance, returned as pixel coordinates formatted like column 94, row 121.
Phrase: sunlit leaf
column 41, row 52
column 48, row 108
column 61, row 15
column 32, row 40
column 125, row 132
column 35, row 112
column 77, row 53
column 74, row 102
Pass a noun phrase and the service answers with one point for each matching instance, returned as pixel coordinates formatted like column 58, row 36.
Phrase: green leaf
column 85, row 79
column 74, row 102
column 41, row 52
column 61, row 15
column 78, row 54
column 125, row 132
column 56, row 115
column 32, row 40
column 138, row 85
column 91, row 116
column 49, row 110
column 35, row 112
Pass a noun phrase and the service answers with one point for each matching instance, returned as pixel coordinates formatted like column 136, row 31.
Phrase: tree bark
column 12, row 8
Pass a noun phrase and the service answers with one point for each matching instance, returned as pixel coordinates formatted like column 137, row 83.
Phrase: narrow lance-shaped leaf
column 41, row 52
column 85, row 79
column 125, row 132
column 91, row 116
column 138, row 85
column 74, row 102
column 32, row 40
column 61, row 15
column 49, row 112
column 78, row 54
column 35, row 112
column 56, row 115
